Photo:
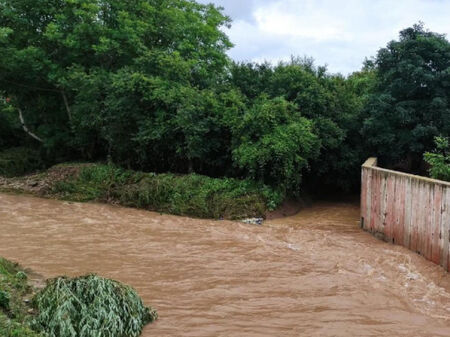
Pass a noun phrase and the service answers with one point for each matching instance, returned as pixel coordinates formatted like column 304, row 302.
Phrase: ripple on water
column 313, row 274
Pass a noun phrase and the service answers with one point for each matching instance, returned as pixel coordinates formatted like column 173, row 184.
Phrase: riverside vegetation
column 14, row 312
column 85, row 306
column 147, row 86
column 191, row 195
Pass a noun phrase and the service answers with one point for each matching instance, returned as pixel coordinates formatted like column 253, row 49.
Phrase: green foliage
column 90, row 306
column 13, row 328
column 411, row 101
column 84, row 52
column 19, row 161
column 9, row 125
column 13, row 285
column 93, row 182
column 4, row 299
column 14, row 318
column 198, row 196
column 332, row 103
column 192, row 195
column 439, row 160
column 147, row 85
column 274, row 143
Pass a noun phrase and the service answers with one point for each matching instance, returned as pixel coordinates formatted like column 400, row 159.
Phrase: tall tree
column 411, row 101
column 61, row 59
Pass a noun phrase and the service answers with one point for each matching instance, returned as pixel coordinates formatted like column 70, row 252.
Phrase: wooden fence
column 407, row 210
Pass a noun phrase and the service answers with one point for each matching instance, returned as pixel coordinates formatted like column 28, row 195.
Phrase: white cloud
column 338, row 33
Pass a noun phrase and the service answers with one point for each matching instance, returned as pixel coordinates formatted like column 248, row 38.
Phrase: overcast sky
column 337, row 33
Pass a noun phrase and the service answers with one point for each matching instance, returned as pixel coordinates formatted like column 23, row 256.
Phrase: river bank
column 188, row 195
column 314, row 274
column 16, row 291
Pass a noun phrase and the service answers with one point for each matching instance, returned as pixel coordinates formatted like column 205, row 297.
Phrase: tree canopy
column 148, row 85
column 410, row 104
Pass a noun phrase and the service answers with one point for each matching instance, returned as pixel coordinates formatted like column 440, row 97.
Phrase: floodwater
column 313, row 274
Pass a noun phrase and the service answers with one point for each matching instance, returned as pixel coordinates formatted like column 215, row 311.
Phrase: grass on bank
column 191, row 195
column 14, row 317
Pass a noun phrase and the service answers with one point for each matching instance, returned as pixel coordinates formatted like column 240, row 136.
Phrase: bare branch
column 22, row 121
column 66, row 103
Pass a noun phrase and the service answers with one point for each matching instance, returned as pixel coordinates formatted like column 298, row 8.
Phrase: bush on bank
column 191, row 195
column 84, row 306
column 90, row 306
column 14, row 317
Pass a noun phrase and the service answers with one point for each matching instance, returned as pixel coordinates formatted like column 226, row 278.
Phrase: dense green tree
column 147, row 84
column 411, row 101
column 329, row 101
column 274, row 143
column 61, row 61
column 174, row 127
column 252, row 79
column 9, row 126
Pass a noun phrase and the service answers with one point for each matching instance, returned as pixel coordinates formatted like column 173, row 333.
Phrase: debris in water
column 253, row 221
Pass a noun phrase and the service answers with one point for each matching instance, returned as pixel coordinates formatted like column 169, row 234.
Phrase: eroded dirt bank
column 313, row 274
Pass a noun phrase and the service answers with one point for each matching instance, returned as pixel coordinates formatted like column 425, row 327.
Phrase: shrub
column 439, row 161
column 198, row 196
column 275, row 143
column 93, row 182
column 192, row 195
column 4, row 299
column 90, row 306
column 19, row 161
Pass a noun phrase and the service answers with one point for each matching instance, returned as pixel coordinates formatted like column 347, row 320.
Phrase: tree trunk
column 66, row 103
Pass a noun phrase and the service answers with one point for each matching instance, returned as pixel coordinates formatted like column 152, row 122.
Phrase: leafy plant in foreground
column 90, row 306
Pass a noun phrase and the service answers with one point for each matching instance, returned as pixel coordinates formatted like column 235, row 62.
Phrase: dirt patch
column 40, row 183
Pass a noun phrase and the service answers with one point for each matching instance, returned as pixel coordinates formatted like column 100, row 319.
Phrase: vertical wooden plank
column 446, row 229
column 442, row 226
column 407, row 213
column 414, row 214
column 363, row 192
column 399, row 208
column 419, row 214
column 383, row 202
column 435, row 235
column 423, row 230
column 423, row 222
column 414, row 197
column 389, row 207
column 374, row 200
column 368, row 199
column 429, row 220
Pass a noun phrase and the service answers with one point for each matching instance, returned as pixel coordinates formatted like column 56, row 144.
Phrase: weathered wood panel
column 407, row 210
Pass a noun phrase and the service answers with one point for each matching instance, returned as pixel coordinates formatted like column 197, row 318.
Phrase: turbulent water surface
column 313, row 274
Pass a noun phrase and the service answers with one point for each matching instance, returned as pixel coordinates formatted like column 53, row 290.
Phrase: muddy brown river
column 313, row 274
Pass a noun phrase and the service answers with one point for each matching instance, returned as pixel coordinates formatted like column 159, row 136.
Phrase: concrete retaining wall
column 407, row 210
